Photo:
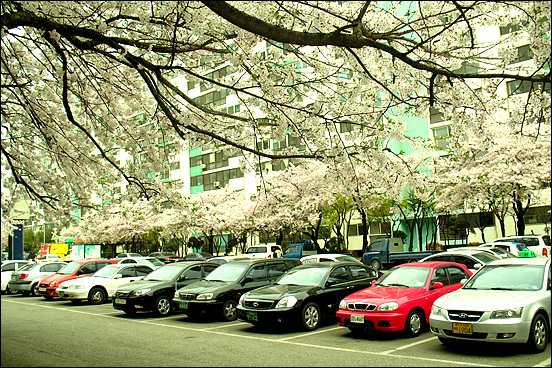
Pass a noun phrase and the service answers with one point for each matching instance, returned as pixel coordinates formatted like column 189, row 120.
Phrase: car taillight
column 23, row 276
column 270, row 256
column 545, row 252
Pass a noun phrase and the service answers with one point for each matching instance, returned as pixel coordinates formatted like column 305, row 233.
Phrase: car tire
column 538, row 335
column 414, row 323
column 310, row 316
column 375, row 264
column 229, row 311
column 34, row 290
column 97, row 296
column 162, row 306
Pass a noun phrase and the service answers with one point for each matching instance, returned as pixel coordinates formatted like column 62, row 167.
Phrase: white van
column 263, row 251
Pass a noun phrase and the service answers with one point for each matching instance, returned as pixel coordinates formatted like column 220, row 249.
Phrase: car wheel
column 375, row 264
column 96, row 296
column 34, row 290
column 229, row 312
column 75, row 301
column 414, row 323
column 310, row 316
column 162, row 306
column 538, row 335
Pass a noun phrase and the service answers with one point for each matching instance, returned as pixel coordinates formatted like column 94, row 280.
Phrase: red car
column 401, row 299
column 73, row 270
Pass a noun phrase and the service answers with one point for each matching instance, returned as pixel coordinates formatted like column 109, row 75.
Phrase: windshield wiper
column 400, row 285
column 500, row 288
column 216, row 280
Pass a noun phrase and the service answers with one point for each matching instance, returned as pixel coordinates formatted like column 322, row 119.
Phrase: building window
column 440, row 135
column 523, row 53
column 435, row 116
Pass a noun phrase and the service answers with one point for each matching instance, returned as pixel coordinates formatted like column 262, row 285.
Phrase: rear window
column 28, row 267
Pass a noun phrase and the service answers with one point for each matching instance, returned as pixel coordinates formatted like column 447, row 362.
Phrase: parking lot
column 36, row 332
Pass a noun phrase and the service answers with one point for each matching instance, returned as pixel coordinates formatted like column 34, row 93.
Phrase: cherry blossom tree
column 82, row 81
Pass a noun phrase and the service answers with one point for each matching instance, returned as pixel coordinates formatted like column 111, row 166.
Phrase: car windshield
column 256, row 250
column 106, row 271
column 485, row 257
column 411, row 277
column 507, row 277
column 28, row 267
column 168, row 255
column 304, row 276
column 165, row 273
column 153, row 261
column 230, row 271
column 70, row 268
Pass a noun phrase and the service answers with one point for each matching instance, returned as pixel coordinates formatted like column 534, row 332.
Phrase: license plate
column 42, row 289
column 357, row 318
column 252, row 316
column 462, row 328
column 184, row 305
column 120, row 301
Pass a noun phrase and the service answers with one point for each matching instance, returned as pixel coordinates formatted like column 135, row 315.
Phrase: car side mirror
column 463, row 281
column 182, row 278
column 477, row 266
column 247, row 279
column 118, row 276
column 373, row 282
column 437, row 285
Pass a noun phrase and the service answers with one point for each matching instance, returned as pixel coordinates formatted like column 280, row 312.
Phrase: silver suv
column 540, row 244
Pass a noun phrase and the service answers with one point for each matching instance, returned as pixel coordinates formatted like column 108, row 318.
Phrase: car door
column 188, row 276
column 256, row 276
column 338, row 285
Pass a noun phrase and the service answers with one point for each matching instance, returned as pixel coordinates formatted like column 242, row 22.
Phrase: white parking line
column 440, row 362
column 544, row 363
column 410, row 345
column 308, row 334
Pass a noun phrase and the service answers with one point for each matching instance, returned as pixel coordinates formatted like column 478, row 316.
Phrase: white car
column 330, row 257
column 49, row 257
column 495, row 251
column 263, row 251
column 506, row 301
column 150, row 261
column 102, row 284
column 511, row 247
column 540, row 244
column 7, row 269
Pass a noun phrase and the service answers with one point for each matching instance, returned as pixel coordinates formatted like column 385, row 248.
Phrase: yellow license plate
column 462, row 328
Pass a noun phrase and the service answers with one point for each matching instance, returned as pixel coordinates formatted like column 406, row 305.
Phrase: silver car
column 26, row 278
column 506, row 301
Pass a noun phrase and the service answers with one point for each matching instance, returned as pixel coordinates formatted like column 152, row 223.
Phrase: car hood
column 484, row 300
column 144, row 284
column 205, row 286
column 60, row 278
column 376, row 294
column 277, row 291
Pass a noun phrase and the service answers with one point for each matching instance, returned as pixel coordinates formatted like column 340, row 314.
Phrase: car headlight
column 507, row 313
column 75, row 287
column 53, row 283
column 205, row 296
column 438, row 311
column 140, row 292
column 242, row 298
column 388, row 307
column 342, row 304
column 176, row 294
column 287, row 302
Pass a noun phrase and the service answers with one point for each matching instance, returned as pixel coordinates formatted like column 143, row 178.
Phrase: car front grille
column 464, row 316
column 43, row 285
column 122, row 294
column 475, row 335
column 184, row 296
column 258, row 304
column 361, row 306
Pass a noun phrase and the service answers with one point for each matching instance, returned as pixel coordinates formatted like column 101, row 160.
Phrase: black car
column 155, row 291
column 305, row 295
column 219, row 293
column 165, row 257
column 197, row 256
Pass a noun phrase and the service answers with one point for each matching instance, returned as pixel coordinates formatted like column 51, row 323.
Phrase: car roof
column 327, row 264
column 428, row 264
column 330, row 255
column 521, row 261
column 259, row 260
column 466, row 251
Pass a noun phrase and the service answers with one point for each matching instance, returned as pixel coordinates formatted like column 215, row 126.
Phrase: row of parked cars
column 506, row 299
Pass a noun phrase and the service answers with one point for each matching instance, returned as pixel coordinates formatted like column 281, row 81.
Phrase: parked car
column 7, row 268
column 101, row 285
column 165, row 257
column 389, row 252
column 27, row 277
column 224, row 259
column 540, row 244
column 305, row 295
column 499, row 252
column 150, row 261
column 155, row 291
column 127, row 255
column 329, row 257
column 507, row 301
column 401, row 299
column 300, row 250
column 511, row 247
column 197, row 256
column 82, row 268
column 219, row 293
column 49, row 257
column 473, row 259
column 263, row 251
